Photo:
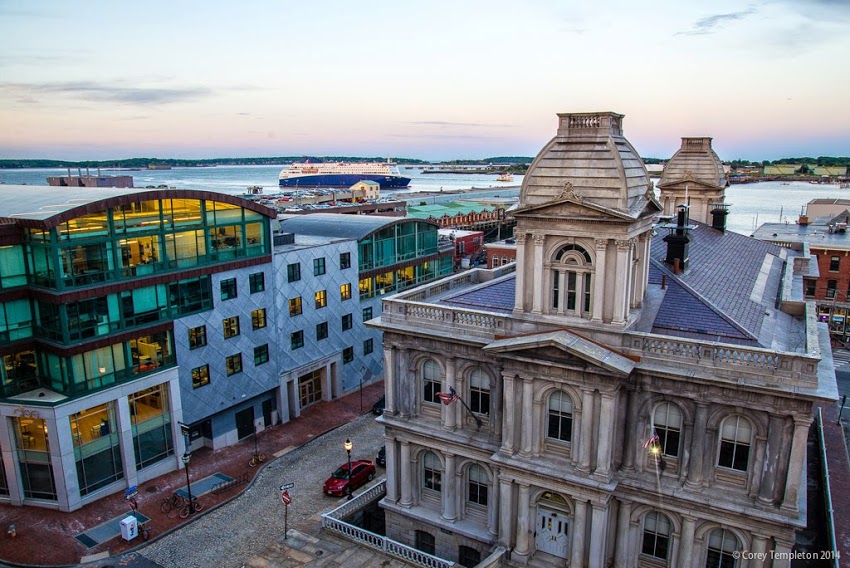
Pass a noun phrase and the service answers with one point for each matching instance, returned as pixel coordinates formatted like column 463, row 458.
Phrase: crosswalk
column 841, row 357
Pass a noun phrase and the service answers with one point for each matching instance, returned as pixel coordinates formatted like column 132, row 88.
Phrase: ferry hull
column 344, row 180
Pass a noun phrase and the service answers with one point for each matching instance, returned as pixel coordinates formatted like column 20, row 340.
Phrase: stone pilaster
column 578, row 552
column 598, row 536
column 686, row 544
column 795, row 463
column 449, row 493
column 606, row 433
column 389, row 380
column 527, row 416
column 599, row 280
column 767, row 489
column 621, row 546
column 539, row 284
column 585, row 443
column 522, row 548
column 519, row 301
column 697, row 451
column 406, row 476
column 620, row 281
column 509, row 415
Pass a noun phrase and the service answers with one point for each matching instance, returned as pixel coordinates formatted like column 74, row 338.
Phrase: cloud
column 97, row 92
column 463, row 124
column 709, row 24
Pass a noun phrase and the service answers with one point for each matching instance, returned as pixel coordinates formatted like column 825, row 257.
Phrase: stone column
column 695, row 471
column 586, row 431
column 449, row 410
column 767, row 489
column 795, row 463
column 621, row 550
column 406, row 476
column 632, row 402
column 522, row 528
column 539, row 284
column 759, row 547
column 392, row 471
column 493, row 506
column 606, row 433
column 389, row 380
column 620, row 281
column 598, row 536
column 577, row 554
column 527, row 416
column 406, row 399
column 782, row 548
column 599, row 280
column 509, row 414
column 562, row 291
column 630, row 278
column 449, row 492
column 496, row 403
column 686, row 546
column 505, row 537
column 519, row 300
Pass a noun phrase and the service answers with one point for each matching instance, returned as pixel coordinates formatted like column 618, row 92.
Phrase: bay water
column 751, row 204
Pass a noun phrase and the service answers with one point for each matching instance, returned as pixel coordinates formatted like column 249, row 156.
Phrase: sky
column 434, row 80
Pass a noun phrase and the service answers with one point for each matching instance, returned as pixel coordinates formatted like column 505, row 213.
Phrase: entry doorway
column 552, row 532
column 245, row 422
column 267, row 413
column 310, row 388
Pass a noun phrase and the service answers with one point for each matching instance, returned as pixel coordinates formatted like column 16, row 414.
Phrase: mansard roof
column 590, row 158
column 695, row 162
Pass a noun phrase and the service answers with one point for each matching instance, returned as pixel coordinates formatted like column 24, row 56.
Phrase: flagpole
column 469, row 410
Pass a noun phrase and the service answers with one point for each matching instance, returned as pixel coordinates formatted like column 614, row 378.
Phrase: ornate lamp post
column 187, row 457
column 348, row 446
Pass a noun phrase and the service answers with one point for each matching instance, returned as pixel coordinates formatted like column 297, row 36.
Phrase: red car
column 339, row 484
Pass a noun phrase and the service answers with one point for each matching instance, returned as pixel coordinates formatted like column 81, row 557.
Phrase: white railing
column 332, row 521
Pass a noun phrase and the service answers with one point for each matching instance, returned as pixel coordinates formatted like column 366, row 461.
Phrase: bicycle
column 169, row 503
column 256, row 458
column 197, row 506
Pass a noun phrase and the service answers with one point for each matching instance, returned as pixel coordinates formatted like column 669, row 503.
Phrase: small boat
column 505, row 176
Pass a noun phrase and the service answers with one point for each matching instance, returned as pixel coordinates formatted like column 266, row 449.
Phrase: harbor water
column 751, row 204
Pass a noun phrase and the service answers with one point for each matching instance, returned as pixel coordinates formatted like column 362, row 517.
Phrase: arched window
column 735, row 438
column 504, row 260
column 571, row 281
column 432, row 476
column 431, row 379
column 722, row 546
column 667, row 423
column 477, row 485
column 656, row 535
column 560, row 425
column 479, row 392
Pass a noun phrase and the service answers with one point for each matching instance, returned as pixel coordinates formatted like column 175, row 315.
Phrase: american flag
column 653, row 440
column 448, row 397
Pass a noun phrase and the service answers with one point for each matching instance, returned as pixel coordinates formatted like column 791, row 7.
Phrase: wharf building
column 632, row 393
column 126, row 313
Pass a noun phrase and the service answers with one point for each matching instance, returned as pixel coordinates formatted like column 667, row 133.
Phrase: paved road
column 229, row 535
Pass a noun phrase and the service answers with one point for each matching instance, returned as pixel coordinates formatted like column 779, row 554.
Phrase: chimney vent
column 678, row 240
column 718, row 216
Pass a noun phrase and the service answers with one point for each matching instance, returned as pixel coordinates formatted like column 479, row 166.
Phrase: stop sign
column 284, row 496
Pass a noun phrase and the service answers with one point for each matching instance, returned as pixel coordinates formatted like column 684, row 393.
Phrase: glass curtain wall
column 97, row 447
column 151, row 417
column 33, row 449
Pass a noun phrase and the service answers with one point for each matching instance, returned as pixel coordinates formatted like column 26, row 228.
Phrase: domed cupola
column 694, row 176
column 589, row 157
column 584, row 220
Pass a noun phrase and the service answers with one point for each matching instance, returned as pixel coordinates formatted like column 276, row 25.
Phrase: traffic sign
column 284, row 496
column 286, row 486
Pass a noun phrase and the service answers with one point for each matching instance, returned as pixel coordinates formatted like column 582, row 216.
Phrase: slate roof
column 497, row 295
column 733, row 280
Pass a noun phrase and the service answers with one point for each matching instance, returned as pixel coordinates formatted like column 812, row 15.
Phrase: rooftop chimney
column 718, row 216
column 804, row 218
column 678, row 240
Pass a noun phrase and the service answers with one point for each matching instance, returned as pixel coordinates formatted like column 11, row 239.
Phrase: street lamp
column 187, row 457
column 348, row 446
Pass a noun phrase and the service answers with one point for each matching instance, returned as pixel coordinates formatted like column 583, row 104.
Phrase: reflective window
column 231, row 327
column 431, row 381
column 667, row 423
column 477, row 485
column 233, row 364
column 258, row 318
column 735, row 437
column 261, row 354
column 432, row 476
column 197, row 337
column 479, row 392
column 295, row 306
column 200, row 376
column 560, row 418
column 656, row 535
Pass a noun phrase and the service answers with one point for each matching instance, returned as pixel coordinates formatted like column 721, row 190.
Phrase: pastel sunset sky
column 433, row 80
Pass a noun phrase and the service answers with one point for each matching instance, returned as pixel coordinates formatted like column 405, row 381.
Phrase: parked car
column 378, row 407
column 381, row 458
column 340, row 483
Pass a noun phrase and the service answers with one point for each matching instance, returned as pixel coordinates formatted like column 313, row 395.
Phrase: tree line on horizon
column 143, row 163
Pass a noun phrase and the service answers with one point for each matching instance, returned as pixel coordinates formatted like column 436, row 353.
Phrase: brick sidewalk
column 47, row 538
